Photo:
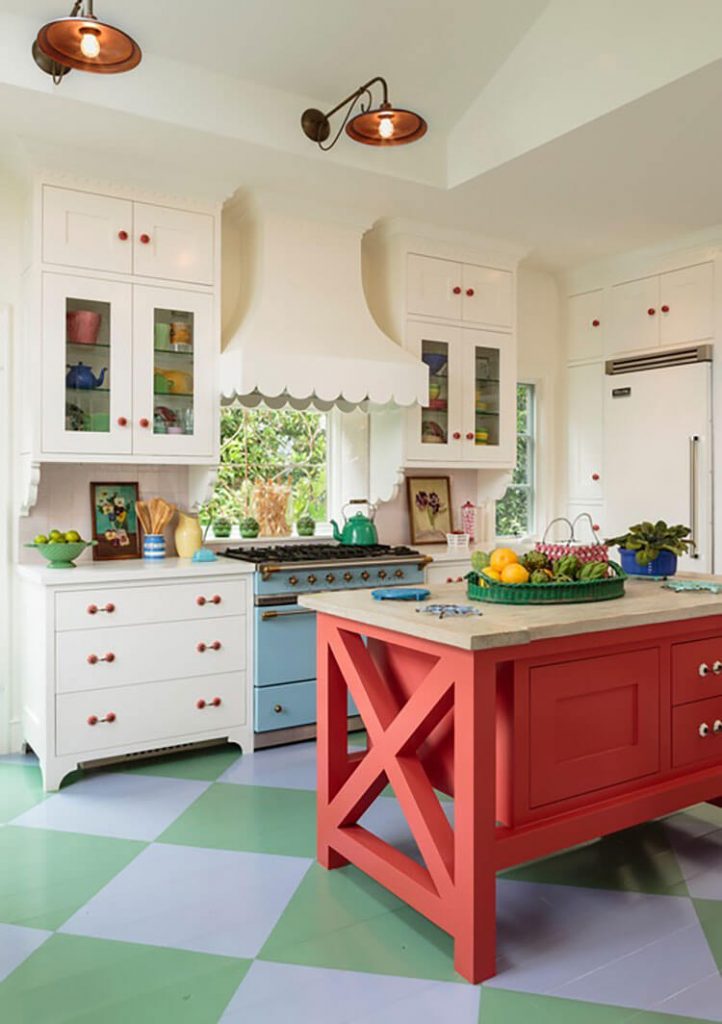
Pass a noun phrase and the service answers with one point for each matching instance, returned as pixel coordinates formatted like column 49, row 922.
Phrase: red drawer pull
column 122, row 421
column 109, row 718
column 215, row 702
column 93, row 659
column 202, row 648
column 200, row 600
column 470, row 292
column 144, row 239
column 93, row 609
column 595, row 323
column 469, row 437
column 456, row 290
column 123, row 236
column 651, row 311
column 665, row 309
column 144, row 422
column 456, row 435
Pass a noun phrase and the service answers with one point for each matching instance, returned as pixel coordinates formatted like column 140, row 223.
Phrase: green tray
column 576, row 592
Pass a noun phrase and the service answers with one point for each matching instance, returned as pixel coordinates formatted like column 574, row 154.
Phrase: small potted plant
column 305, row 526
column 249, row 527
column 221, row 527
column 651, row 549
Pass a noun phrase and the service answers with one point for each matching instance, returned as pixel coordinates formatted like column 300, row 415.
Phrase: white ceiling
column 613, row 170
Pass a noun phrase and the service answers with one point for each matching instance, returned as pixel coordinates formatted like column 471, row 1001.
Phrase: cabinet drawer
column 691, row 742
column 594, row 723
column 100, row 607
column 99, row 658
column 447, row 572
column 697, row 670
column 83, row 229
column 281, row 707
column 148, row 713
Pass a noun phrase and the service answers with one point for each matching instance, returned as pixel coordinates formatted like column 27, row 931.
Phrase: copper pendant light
column 82, row 42
column 385, row 126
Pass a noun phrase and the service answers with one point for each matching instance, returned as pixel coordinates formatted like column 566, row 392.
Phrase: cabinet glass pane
column 87, row 362
column 173, row 371
column 435, row 416
column 486, row 396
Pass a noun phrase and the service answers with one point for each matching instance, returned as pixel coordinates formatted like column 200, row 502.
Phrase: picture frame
column 429, row 501
column 114, row 520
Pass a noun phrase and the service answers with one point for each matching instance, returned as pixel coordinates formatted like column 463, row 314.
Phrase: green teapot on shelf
column 357, row 529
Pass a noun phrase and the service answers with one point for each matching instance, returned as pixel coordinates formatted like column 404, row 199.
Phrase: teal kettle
column 357, row 529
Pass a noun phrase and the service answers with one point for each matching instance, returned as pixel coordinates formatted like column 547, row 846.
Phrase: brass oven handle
column 279, row 615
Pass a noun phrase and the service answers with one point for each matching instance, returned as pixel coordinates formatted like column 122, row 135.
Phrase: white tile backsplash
column 64, row 498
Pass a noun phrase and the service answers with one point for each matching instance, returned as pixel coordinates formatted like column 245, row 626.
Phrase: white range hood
column 297, row 329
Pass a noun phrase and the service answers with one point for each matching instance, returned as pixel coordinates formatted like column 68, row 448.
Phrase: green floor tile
column 21, row 787
column 258, row 819
column 500, row 1006
column 342, row 919
column 709, row 913
column 72, row 980
column 46, row 876
column 639, row 859
column 202, row 765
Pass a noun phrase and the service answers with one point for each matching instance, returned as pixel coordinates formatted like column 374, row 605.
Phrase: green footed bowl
column 60, row 556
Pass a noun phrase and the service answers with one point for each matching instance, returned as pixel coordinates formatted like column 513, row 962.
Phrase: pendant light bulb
column 386, row 127
column 89, row 43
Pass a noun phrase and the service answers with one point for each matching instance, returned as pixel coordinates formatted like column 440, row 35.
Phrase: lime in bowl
column 61, row 554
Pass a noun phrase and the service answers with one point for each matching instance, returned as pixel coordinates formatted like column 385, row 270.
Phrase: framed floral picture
column 114, row 519
column 429, row 508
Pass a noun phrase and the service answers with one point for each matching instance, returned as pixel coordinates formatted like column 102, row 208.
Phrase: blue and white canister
column 154, row 546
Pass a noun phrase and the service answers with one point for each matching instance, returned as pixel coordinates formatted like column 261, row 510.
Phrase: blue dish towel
column 400, row 594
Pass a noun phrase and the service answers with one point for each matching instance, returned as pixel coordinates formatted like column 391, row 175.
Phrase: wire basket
column 482, row 588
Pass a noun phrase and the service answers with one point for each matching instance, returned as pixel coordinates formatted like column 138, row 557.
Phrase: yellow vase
column 188, row 535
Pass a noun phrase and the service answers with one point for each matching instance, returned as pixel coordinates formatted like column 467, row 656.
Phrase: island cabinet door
column 594, row 723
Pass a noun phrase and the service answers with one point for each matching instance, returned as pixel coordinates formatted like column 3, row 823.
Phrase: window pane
column 512, row 513
column 521, row 470
column 522, row 407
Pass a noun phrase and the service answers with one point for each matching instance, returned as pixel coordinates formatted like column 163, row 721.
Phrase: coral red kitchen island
column 549, row 726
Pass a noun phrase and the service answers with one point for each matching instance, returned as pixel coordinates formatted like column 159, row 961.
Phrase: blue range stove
column 285, row 635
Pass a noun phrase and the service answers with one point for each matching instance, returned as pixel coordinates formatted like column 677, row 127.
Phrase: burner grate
column 288, row 554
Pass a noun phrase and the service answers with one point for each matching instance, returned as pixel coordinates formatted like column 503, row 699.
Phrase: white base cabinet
column 118, row 670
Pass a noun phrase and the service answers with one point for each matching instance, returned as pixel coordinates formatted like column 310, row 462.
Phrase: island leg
column 475, row 818
column 331, row 741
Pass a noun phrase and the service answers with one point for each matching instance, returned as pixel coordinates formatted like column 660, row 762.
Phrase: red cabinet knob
column 651, row 311
column 144, row 422
column 216, row 645
column 92, row 719
column 216, row 599
column 456, row 290
column 470, row 437
column 110, row 717
column 122, row 421
column 596, row 527
column 456, row 435
column 109, row 657
column 109, row 608
column 665, row 309
column 92, row 659
column 200, row 704
column 92, row 609
column 123, row 236
column 144, row 239
column 595, row 476
column 200, row 647
column 448, row 579
column 216, row 702
column 200, row 600
column 595, row 323
column 470, row 292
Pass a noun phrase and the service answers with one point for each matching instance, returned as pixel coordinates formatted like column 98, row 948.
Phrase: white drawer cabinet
column 123, row 669
column 460, row 291
column 448, row 572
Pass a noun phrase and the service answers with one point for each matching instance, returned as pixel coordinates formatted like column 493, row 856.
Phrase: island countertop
column 645, row 602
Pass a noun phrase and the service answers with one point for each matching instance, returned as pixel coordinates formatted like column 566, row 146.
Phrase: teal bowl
column 60, row 556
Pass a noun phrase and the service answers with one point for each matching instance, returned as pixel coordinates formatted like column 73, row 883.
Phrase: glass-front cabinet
column 469, row 416
column 126, row 369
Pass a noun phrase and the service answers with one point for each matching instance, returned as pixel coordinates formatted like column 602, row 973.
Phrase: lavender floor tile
column 118, row 805
column 292, row 767
column 208, row 901
column 701, row 1001
column 385, row 818
column 649, row 975
column 550, row 935
column 285, row 994
column 25, row 760
column 16, row 945
column 700, row 860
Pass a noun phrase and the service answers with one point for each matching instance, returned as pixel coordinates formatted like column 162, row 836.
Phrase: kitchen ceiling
column 571, row 130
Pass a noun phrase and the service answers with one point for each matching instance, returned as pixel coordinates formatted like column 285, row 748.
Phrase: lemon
column 492, row 574
column 514, row 573
column 501, row 557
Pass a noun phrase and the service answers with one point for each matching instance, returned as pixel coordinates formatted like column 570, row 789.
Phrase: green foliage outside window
column 270, row 444
column 515, row 511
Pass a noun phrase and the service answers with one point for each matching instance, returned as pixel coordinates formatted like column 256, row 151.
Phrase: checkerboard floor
column 186, row 891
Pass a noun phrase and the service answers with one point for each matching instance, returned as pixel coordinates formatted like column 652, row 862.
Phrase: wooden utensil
column 155, row 515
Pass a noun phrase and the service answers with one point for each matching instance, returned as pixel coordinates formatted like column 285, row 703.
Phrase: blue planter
column 665, row 564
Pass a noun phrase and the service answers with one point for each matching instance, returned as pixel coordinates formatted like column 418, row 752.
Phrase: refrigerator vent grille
column 659, row 360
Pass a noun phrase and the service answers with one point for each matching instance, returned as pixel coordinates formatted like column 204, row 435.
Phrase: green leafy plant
column 649, row 539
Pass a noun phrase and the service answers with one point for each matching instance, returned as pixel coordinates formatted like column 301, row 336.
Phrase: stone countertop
column 645, row 602
column 132, row 570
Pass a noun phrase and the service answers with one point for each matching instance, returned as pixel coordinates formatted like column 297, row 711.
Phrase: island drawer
column 99, row 719
column 697, row 670
column 99, row 607
column 121, row 656
column 697, row 732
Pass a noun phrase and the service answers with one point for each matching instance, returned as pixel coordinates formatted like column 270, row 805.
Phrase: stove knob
column 364, row 575
column 382, row 574
column 330, row 577
column 293, row 580
column 399, row 574
column 311, row 579
column 348, row 576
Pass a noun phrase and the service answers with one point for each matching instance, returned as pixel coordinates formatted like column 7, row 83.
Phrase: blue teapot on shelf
column 82, row 376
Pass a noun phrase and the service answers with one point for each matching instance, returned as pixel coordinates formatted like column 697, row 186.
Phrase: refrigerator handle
column 693, row 475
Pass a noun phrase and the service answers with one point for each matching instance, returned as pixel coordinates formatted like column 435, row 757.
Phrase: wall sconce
column 385, row 126
column 82, row 42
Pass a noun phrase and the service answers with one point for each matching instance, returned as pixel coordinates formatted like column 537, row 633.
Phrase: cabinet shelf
column 78, row 346
column 77, row 392
column 173, row 394
column 169, row 352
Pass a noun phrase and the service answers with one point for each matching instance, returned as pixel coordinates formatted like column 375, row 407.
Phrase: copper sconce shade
column 82, row 42
column 385, row 126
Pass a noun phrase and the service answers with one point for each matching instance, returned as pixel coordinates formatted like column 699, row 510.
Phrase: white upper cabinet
column 585, row 325
column 585, row 409
column 81, row 229
column 675, row 308
column 176, row 245
column 448, row 290
column 105, row 233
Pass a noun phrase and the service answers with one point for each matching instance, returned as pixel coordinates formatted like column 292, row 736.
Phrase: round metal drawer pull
column 382, row 574
column 717, row 727
column 717, row 668
column 330, row 577
column 348, row 576
column 704, row 669
column 311, row 579
column 399, row 574
column 278, row 708
column 703, row 730
column 364, row 575
column 293, row 580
